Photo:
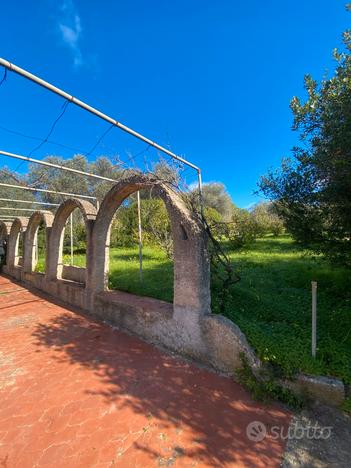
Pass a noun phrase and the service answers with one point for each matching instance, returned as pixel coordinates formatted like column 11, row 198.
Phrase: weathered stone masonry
column 186, row 326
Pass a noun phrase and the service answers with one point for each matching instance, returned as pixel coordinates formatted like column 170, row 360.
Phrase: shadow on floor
column 213, row 409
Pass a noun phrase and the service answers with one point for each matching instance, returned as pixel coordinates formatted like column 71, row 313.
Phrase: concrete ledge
column 74, row 273
column 322, row 389
column 14, row 271
column 142, row 304
column 225, row 343
column 35, row 278
column 148, row 318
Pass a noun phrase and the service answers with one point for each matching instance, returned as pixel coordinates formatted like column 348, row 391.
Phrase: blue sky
column 211, row 80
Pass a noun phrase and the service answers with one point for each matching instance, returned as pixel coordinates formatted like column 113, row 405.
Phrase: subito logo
column 256, row 431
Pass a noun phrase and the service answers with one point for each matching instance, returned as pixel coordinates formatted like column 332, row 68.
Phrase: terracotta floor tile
column 76, row 393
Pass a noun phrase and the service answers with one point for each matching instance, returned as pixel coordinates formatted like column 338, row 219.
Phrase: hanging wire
column 52, row 128
column 134, row 156
column 100, row 140
column 3, row 79
column 64, row 107
column 30, row 137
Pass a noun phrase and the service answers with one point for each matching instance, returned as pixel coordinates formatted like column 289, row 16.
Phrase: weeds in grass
column 346, row 406
column 265, row 387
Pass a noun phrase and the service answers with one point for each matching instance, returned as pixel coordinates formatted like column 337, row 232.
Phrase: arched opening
column 20, row 249
column 37, row 241
column 74, row 248
column 191, row 290
column 70, row 241
column 141, row 260
column 16, row 249
column 4, row 235
column 40, row 249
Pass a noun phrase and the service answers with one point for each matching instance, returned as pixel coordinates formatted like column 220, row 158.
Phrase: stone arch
column 54, row 268
column 31, row 238
column 191, row 261
column 18, row 225
column 5, row 228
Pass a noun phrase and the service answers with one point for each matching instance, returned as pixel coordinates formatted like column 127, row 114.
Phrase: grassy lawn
column 124, row 271
column 271, row 303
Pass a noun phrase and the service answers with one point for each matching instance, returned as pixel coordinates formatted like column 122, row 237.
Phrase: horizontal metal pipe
column 55, row 166
column 29, row 202
column 31, row 189
column 19, row 209
column 20, row 71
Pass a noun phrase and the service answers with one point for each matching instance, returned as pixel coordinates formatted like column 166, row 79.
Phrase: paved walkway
column 76, row 393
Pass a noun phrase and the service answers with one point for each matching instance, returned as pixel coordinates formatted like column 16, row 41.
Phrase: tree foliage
column 44, row 177
column 215, row 196
column 156, row 228
column 267, row 220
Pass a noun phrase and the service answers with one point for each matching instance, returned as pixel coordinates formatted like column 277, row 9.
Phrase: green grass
column 157, row 273
column 124, row 271
column 272, row 306
column 271, row 303
column 346, row 406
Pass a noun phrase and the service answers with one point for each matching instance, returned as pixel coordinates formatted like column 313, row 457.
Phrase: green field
column 271, row 303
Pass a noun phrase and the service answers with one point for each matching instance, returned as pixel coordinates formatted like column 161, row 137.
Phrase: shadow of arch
column 31, row 238
column 19, row 225
column 55, row 264
column 191, row 261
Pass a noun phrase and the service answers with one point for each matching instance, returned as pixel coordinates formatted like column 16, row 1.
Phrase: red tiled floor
column 76, row 393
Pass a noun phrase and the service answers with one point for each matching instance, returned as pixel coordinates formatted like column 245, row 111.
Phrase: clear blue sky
column 212, row 79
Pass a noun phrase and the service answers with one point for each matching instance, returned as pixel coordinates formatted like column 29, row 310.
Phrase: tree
column 242, row 229
column 9, row 177
column 44, row 177
column 267, row 220
column 312, row 190
column 156, row 226
column 167, row 171
column 215, row 195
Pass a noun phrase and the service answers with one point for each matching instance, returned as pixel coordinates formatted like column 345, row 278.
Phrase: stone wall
column 187, row 326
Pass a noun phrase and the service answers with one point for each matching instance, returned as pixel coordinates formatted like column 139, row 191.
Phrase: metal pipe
column 55, row 166
column 19, row 209
column 199, row 178
column 314, row 318
column 36, row 247
column 140, row 238
column 67, row 194
column 71, row 232
column 28, row 201
column 20, row 71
